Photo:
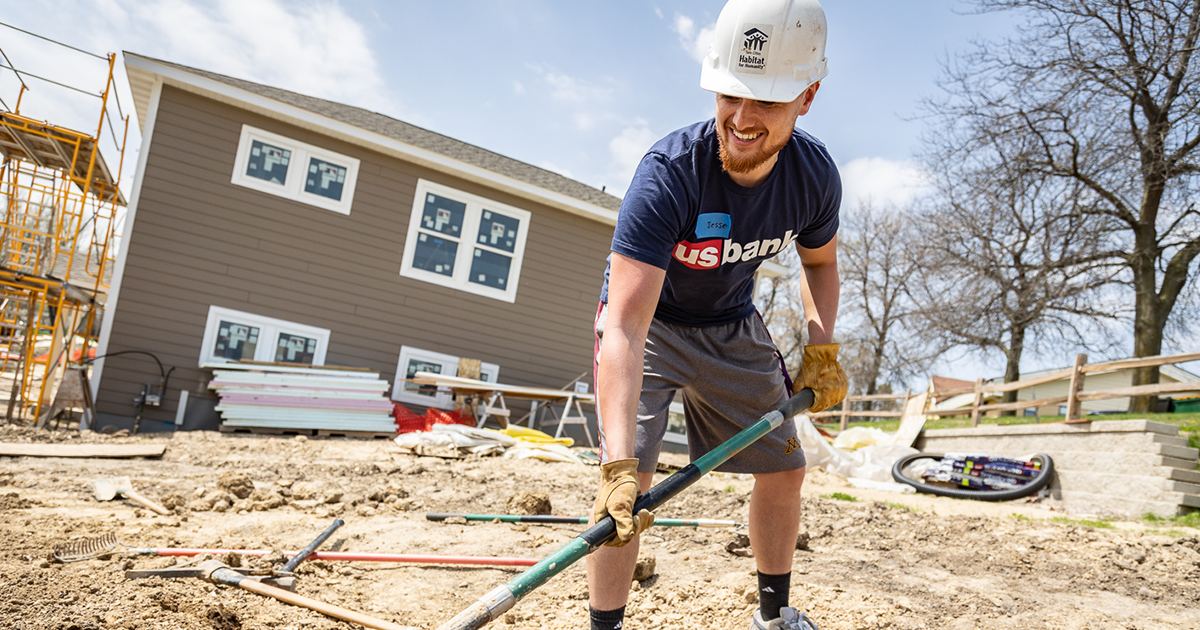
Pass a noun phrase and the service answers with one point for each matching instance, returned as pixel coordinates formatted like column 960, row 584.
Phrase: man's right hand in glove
column 618, row 492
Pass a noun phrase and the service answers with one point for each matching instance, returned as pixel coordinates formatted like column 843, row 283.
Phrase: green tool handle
column 503, row 598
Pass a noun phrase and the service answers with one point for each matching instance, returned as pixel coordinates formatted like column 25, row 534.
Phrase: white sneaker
column 789, row 619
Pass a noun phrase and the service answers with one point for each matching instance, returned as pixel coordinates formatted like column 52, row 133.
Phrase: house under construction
column 60, row 201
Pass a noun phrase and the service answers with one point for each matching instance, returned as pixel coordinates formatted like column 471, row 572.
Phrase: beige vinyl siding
column 200, row 240
column 1095, row 382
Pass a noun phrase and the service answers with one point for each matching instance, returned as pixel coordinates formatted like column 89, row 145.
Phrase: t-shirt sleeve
column 824, row 224
column 652, row 212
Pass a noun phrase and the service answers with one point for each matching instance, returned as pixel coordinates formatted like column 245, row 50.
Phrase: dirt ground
column 883, row 561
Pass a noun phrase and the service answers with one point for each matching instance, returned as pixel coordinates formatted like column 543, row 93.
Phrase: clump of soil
column 238, row 484
column 221, row 618
column 644, row 569
column 529, row 503
column 14, row 501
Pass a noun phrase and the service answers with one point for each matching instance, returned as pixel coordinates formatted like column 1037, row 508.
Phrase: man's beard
column 749, row 163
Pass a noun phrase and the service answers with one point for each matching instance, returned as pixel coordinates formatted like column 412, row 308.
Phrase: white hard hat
column 766, row 50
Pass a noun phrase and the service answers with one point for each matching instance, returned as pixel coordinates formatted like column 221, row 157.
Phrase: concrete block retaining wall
column 1122, row 468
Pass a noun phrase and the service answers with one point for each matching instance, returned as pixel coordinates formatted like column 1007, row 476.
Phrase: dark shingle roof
column 418, row 137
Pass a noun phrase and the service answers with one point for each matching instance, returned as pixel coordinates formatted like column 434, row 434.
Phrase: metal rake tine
column 85, row 548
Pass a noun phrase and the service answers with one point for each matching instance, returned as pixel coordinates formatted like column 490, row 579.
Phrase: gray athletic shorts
column 729, row 376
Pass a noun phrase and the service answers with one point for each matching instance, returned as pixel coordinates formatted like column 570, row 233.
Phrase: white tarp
column 872, row 463
column 456, row 439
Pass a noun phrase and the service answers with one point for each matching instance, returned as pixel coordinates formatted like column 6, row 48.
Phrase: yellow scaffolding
column 56, row 248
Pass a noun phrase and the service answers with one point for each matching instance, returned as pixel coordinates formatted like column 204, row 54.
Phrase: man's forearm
column 618, row 388
column 820, row 290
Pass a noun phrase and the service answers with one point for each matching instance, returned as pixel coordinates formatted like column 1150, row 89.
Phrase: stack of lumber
column 281, row 396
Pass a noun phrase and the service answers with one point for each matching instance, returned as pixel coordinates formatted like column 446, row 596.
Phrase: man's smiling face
column 751, row 133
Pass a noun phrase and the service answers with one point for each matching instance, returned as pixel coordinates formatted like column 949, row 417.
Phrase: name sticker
column 713, row 225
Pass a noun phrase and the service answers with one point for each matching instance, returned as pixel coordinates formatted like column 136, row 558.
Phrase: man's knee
column 785, row 481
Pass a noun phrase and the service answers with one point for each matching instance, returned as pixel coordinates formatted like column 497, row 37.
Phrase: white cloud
column 881, row 181
column 570, row 89
column 694, row 42
column 626, row 150
column 586, row 120
column 313, row 48
column 518, row 88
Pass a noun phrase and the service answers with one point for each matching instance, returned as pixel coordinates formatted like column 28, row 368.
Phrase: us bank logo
column 752, row 58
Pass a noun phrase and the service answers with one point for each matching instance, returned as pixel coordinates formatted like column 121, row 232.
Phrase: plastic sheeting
column 456, row 440
column 872, row 462
column 855, row 438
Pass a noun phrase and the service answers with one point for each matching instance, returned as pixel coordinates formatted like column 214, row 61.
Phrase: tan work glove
column 824, row 375
column 619, row 491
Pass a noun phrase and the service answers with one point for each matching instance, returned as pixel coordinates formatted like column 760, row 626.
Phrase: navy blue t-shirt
column 684, row 214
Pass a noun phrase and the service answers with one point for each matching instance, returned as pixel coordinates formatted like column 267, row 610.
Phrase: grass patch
column 1098, row 524
column 840, row 496
column 901, row 506
column 1021, row 517
column 1191, row 519
column 730, row 489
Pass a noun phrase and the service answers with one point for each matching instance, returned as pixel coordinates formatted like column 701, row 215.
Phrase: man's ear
column 807, row 97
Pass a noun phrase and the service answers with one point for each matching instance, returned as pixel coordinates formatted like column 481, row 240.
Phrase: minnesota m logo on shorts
column 792, row 444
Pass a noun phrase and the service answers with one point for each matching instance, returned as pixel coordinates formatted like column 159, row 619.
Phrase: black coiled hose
column 1035, row 484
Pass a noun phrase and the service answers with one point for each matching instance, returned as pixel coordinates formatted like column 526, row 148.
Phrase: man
column 707, row 205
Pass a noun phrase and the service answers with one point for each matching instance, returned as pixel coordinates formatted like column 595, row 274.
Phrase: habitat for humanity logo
column 753, row 56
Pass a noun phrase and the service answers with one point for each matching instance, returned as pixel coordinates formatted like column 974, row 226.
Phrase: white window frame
column 269, row 329
column 293, row 188
column 476, row 205
column 489, row 372
column 671, row 436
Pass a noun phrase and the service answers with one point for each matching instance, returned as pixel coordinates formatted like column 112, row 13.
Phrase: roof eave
column 144, row 72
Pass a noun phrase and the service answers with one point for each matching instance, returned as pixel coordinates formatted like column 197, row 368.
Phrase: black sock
column 773, row 593
column 607, row 619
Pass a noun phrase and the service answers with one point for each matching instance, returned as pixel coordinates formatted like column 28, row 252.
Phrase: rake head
column 85, row 548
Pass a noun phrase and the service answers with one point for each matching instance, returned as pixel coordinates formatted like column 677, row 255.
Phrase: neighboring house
column 1096, row 381
column 268, row 225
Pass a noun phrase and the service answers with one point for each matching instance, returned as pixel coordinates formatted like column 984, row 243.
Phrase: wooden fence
column 1074, row 398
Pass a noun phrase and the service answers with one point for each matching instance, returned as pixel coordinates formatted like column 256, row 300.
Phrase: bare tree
column 1107, row 91
column 783, row 311
column 1016, row 257
column 880, row 254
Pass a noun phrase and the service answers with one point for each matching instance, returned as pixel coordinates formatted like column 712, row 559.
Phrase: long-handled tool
column 107, row 489
column 308, row 549
column 543, row 518
column 503, row 598
column 216, row 572
column 344, row 555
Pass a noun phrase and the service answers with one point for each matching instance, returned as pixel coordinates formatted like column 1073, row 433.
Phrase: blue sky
column 581, row 88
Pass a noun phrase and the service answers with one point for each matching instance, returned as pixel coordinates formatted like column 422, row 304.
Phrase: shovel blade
column 107, row 489
column 103, row 489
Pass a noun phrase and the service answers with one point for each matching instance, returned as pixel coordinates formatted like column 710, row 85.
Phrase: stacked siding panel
column 255, row 396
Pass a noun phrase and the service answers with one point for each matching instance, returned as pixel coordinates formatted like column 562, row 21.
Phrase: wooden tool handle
column 140, row 499
column 336, row 612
